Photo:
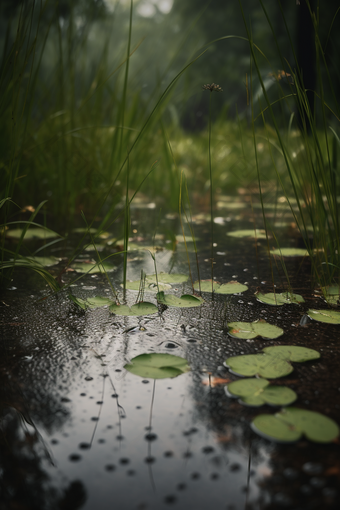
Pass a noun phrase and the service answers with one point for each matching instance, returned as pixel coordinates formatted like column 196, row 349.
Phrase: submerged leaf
column 249, row 330
column 279, row 299
column 256, row 392
column 205, row 285
column 332, row 294
column 328, row 316
column 137, row 310
column 185, row 301
column 291, row 423
column 157, row 366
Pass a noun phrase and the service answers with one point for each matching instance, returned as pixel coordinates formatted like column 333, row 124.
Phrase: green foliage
column 185, row 301
column 276, row 299
column 249, row 330
column 256, row 392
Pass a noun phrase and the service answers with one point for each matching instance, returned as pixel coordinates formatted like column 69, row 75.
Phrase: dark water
column 79, row 431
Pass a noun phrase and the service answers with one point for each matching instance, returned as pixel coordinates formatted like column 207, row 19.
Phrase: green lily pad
column 290, row 252
column 157, row 366
column 92, row 267
column 256, row 392
column 164, row 282
column 328, row 316
column 94, row 302
column 44, row 261
column 32, row 233
column 332, row 294
column 279, row 299
column 292, row 353
column 249, row 330
column 232, row 287
column 185, row 301
column 139, row 309
column 291, row 423
column 263, row 365
column 206, row 285
column 259, row 234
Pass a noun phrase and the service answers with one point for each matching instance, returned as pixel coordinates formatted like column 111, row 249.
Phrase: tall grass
column 305, row 149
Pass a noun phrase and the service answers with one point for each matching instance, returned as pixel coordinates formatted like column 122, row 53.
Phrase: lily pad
column 92, row 267
column 328, row 316
column 263, row 365
column 332, row 294
column 157, row 366
column 256, row 392
column 205, row 285
column 249, row 330
column 164, row 281
column 32, row 233
column 232, row 287
column 94, row 302
column 185, row 301
column 285, row 298
column 290, row 252
column 259, row 234
column 292, row 353
column 44, row 261
column 291, row 423
column 139, row 309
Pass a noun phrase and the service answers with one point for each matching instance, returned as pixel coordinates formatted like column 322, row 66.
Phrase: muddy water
column 79, row 431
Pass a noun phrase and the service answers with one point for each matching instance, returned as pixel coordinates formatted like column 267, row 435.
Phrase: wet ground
column 79, row 431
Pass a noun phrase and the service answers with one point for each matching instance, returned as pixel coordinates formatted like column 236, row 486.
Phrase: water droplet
column 74, row 457
column 110, row 467
column 312, row 468
column 151, row 437
column 88, row 378
column 124, row 460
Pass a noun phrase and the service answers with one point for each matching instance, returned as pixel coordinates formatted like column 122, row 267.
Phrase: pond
column 79, row 430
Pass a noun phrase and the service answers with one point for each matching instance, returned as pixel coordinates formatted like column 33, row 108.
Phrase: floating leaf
column 157, row 366
column 185, row 301
column 279, row 299
column 259, row 234
column 256, row 392
column 139, row 309
column 233, row 287
column 84, row 230
column 32, row 233
column 254, row 329
column 292, row 353
column 92, row 267
column 94, row 302
column 290, row 252
column 205, row 285
column 328, row 316
column 291, row 423
column 164, row 281
column 332, row 294
column 263, row 365
column 43, row 261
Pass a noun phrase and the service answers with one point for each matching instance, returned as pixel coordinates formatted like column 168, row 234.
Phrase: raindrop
column 145, row 381
column 88, row 378
column 83, row 394
column 214, row 476
column 170, row 499
column 317, row 483
column 110, row 467
column 124, row 460
column 235, row 467
column 138, row 407
column 99, row 402
column 195, row 476
column 119, row 437
column 150, row 460
column 207, row 449
column 168, row 453
column 114, row 395
column 131, row 472
column 84, row 446
column 187, row 455
column 181, row 486
column 54, row 441
column 151, row 437
column 312, row 468
column 74, row 457
column 171, row 345
column 101, row 441
column 94, row 418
